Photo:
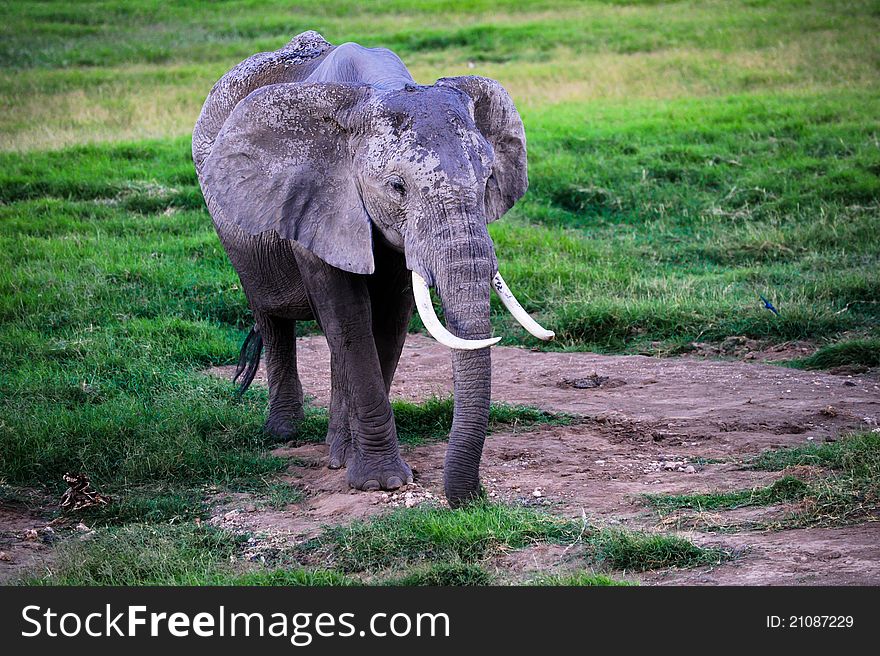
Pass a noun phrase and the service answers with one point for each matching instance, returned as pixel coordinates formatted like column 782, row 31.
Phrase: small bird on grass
column 769, row 306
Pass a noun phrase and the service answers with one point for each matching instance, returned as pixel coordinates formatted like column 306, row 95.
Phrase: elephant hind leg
column 285, row 389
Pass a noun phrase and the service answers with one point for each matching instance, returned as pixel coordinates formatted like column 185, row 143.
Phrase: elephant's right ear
column 282, row 163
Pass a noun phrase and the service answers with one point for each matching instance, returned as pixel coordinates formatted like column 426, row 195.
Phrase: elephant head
column 334, row 165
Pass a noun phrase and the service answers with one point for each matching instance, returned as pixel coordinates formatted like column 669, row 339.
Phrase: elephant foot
column 378, row 475
column 341, row 449
column 280, row 429
column 460, row 493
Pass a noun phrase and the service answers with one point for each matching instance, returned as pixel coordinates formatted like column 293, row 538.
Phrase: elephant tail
column 248, row 361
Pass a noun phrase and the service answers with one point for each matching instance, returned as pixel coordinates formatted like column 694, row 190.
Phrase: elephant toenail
column 334, row 463
column 371, row 485
column 393, row 483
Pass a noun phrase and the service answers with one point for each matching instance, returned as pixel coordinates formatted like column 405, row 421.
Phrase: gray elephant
column 341, row 191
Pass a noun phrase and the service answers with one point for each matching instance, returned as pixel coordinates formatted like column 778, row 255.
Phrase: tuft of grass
column 466, row 536
column 432, row 419
column 850, row 493
column 643, row 551
column 284, row 577
column 857, row 454
column 864, row 352
column 143, row 554
column 167, row 554
column 444, row 574
column 579, row 579
column 146, row 505
column 787, row 488
column 440, row 535
column 699, row 460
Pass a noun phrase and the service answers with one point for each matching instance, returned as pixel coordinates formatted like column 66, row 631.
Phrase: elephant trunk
column 463, row 278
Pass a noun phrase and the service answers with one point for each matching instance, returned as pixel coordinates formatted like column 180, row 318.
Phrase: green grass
column 860, row 352
column 444, row 574
column 113, row 70
column 285, row 577
column 150, row 504
column 787, row 488
column 579, row 580
column 270, row 493
column 435, row 534
column 639, row 552
column 431, row 538
column 167, row 554
column 143, row 554
column 849, row 492
column 116, row 32
column 857, row 454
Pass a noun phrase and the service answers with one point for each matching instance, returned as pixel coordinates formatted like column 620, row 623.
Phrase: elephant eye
column 397, row 184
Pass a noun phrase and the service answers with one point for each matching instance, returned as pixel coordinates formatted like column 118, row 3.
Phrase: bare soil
column 648, row 425
column 26, row 540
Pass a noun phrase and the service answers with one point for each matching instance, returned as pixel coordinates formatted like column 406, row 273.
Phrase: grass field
column 685, row 159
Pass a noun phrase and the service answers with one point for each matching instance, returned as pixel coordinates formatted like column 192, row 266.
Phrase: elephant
column 342, row 191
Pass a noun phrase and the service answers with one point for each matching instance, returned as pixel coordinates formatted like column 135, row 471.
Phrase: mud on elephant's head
column 428, row 170
column 335, row 165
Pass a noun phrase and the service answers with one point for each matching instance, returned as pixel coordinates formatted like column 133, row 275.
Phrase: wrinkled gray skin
column 330, row 174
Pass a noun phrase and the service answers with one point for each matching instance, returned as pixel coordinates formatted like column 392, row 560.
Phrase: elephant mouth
column 438, row 331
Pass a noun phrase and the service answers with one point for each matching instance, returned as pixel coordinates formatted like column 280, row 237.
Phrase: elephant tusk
column 426, row 312
column 517, row 310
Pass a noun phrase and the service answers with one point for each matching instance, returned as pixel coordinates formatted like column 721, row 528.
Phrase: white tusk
column 432, row 323
column 517, row 310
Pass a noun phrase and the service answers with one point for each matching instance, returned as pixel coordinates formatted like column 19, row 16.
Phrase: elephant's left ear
column 499, row 122
column 282, row 163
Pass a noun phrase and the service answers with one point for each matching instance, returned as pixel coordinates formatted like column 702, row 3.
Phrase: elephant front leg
column 373, row 458
column 391, row 305
column 342, row 304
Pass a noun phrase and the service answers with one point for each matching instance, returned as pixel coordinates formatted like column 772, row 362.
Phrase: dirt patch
column 26, row 540
column 649, row 425
column 847, row 555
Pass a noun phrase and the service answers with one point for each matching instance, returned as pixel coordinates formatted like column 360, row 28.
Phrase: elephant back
column 292, row 63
